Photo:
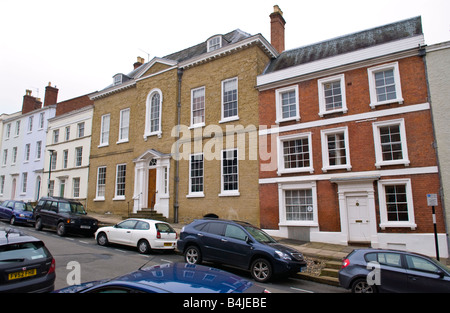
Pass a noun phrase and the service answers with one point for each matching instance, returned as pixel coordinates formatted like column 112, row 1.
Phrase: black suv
column 67, row 216
column 238, row 244
column 26, row 265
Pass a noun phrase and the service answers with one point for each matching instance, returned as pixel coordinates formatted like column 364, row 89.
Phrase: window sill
column 103, row 145
column 229, row 119
column 295, row 170
column 196, row 195
column 373, row 105
column 99, row 199
column 378, row 165
column 385, row 225
column 118, row 198
column 229, row 194
column 339, row 167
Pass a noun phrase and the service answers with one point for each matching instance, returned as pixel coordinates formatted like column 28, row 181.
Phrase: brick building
column 346, row 142
column 178, row 134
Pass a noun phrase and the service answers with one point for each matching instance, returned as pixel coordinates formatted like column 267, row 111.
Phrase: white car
column 145, row 234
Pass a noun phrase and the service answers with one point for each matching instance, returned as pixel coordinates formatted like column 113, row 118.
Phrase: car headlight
column 283, row 255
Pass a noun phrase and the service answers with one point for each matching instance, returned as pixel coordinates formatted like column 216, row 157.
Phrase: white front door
column 358, row 218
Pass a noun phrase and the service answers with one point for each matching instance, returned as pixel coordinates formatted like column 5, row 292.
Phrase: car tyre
column 192, row 255
column 361, row 286
column 143, row 246
column 261, row 270
column 102, row 239
column 38, row 224
column 61, row 229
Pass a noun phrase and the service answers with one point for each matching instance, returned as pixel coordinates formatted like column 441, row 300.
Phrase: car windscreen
column 259, row 235
column 164, row 228
column 20, row 252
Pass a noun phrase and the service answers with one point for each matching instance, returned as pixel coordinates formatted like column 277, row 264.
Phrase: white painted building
column 69, row 141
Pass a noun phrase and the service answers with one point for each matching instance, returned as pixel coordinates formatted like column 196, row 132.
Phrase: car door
column 424, row 276
column 3, row 208
column 46, row 212
column 141, row 230
column 391, row 270
column 236, row 249
column 121, row 233
column 211, row 240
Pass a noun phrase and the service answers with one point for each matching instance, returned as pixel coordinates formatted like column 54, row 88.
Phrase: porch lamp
column 49, row 171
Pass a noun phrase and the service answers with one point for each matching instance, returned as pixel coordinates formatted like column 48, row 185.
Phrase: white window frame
column 14, row 155
column 372, row 87
column 41, row 120
column 279, row 108
column 116, row 196
column 78, row 156
column 214, row 43
column 38, row 150
column 148, row 113
column 198, row 124
column 321, row 86
column 124, row 126
column 282, row 203
column 67, row 133
column 384, row 223
column 379, row 162
column 233, row 117
column 281, row 167
column 17, row 129
column 8, row 131
column 97, row 185
column 80, row 129
column 103, row 130
column 24, row 183
column 65, row 158
column 5, row 157
column 117, row 80
column 76, row 184
column 198, row 194
column 26, row 155
column 325, row 155
column 55, row 136
column 30, row 124
column 228, row 193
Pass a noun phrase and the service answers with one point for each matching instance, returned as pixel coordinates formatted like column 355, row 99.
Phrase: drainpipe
column 177, row 152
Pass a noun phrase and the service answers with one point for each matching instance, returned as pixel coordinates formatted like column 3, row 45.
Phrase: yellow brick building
column 179, row 134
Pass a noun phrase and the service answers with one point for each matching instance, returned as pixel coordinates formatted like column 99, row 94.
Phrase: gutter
column 177, row 152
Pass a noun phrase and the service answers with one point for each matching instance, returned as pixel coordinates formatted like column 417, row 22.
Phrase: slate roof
column 348, row 43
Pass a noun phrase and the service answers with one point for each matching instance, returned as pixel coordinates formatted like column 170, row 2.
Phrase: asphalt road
column 80, row 259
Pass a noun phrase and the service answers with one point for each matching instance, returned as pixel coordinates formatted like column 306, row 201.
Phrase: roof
column 348, row 43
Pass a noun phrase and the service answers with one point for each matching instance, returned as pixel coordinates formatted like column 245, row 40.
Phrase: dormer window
column 117, row 79
column 214, row 43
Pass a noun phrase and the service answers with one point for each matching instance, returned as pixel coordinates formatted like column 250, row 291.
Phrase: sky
column 80, row 45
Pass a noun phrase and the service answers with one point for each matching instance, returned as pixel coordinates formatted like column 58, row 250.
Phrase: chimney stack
column 277, row 23
column 139, row 62
column 30, row 103
column 51, row 95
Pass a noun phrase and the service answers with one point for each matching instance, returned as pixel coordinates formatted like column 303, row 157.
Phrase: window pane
column 333, row 95
column 197, row 173
column 296, row 153
column 396, row 203
column 230, row 170
column 230, row 100
column 288, row 104
column 198, row 106
column 391, row 145
column 154, row 112
column 336, row 149
column 385, row 85
column 299, row 205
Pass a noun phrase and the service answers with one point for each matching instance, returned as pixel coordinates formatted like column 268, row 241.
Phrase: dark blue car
column 170, row 278
column 238, row 244
column 16, row 211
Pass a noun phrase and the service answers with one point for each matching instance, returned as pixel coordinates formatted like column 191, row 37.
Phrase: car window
column 77, row 208
column 421, row 264
column 64, row 207
column 4, row 203
column 385, row 258
column 40, row 203
column 259, row 235
column 215, row 228
column 164, row 228
column 142, row 225
column 47, row 205
column 201, row 226
column 22, row 251
column 54, row 206
column 235, row 232
column 128, row 224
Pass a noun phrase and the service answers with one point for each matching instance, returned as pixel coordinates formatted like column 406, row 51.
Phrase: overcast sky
column 79, row 45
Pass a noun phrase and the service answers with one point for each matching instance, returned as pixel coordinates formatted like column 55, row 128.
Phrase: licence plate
column 168, row 244
column 22, row 274
column 85, row 227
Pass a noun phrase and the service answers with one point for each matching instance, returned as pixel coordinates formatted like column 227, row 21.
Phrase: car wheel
column 192, row 255
column 61, row 229
column 261, row 270
column 38, row 224
column 361, row 286
column 12, row 221
column 102, row 239
column 143, row 246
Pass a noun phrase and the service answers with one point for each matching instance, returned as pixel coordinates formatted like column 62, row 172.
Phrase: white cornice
column 263, row 81
column 112, row 90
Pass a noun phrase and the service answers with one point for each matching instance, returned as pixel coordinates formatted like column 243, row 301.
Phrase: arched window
column 153, row 113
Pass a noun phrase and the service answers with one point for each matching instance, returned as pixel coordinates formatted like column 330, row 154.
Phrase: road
column 81, row 259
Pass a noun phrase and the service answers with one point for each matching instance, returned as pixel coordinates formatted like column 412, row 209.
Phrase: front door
column 151, row 188
column 358, row 219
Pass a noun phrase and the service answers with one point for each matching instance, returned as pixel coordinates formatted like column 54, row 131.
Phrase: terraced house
column 178, row 134
column 347, row 137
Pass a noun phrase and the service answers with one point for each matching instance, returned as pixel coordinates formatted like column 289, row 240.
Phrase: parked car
column 170, row 278
column 65, row 215
column 26, row 265
column 238, row 244
column 16, row 212
column 376, row 270
column 145, row 234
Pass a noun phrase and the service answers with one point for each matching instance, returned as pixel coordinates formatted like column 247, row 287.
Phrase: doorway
column 358, row 219
column 151, row 188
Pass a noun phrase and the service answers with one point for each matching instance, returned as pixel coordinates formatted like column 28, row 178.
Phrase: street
column 80, row 259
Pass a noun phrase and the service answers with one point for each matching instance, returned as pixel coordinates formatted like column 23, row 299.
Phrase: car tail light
column 52, row 267
column 158, row 235
column 345, row 263
column 176, row 235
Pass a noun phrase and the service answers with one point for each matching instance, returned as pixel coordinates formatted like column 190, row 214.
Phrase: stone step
column 330, row 272
column 333, row 264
